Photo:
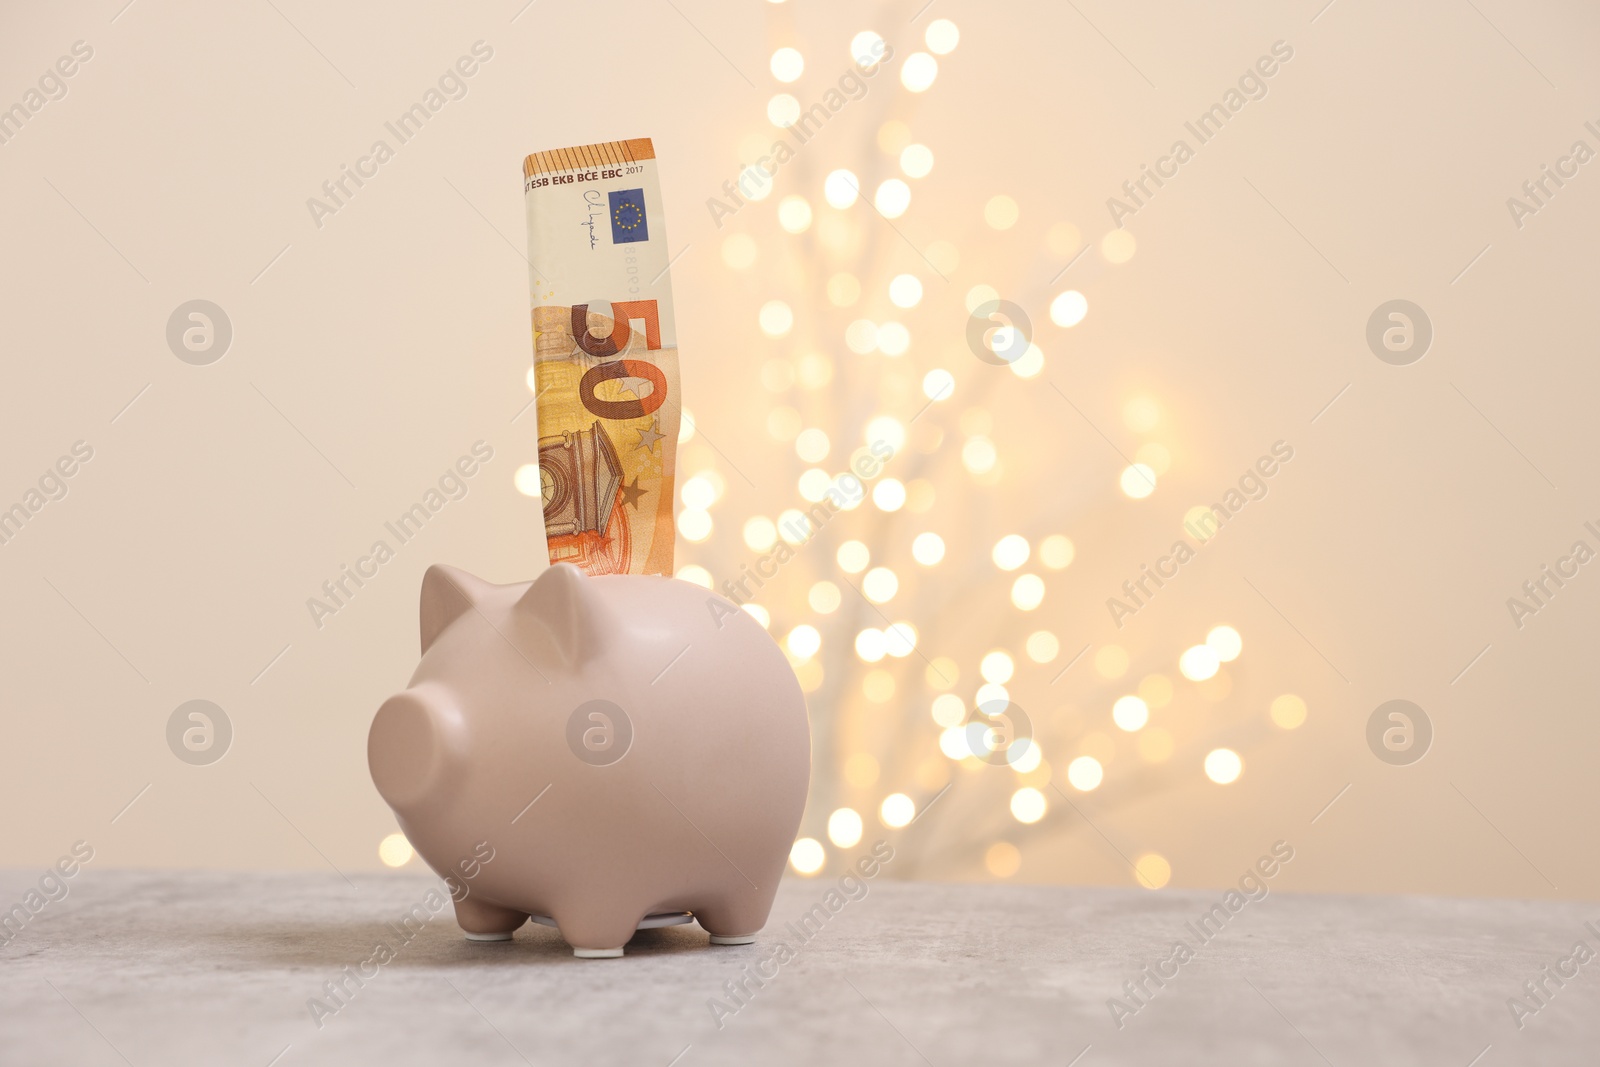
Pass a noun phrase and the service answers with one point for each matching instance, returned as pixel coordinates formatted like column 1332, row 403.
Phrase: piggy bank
column 632, row 750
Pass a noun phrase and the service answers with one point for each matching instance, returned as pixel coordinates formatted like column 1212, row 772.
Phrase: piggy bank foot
column 596, row 937
column 482, row 921
column 734, row 923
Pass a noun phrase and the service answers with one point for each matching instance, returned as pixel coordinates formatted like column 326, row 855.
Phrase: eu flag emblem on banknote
column 627, row 216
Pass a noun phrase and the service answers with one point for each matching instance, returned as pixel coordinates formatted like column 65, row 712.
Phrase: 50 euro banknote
column 605, row 356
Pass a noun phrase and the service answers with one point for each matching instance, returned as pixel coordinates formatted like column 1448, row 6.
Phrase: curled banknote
column 605, row 356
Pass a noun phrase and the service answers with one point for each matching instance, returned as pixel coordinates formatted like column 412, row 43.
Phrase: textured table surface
column 206, row 968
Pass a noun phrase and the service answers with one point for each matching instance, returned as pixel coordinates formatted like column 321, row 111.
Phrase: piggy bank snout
column 413, row 748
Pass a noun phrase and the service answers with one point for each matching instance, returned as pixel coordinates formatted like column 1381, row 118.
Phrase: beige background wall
column 369, row 353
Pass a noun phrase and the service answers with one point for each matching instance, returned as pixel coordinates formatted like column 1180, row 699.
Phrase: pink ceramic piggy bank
column 633, row 749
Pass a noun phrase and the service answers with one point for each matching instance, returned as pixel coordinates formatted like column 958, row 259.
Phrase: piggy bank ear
column 562, row 599
column 447, row 594
column 415, row 748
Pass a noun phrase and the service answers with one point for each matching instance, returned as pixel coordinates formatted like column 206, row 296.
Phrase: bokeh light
column 1223, row 765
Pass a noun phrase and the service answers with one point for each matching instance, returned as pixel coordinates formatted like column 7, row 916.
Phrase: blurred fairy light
column 685, row 425
column 1118, row 246
column 1042, row 646
column 1198, row 663
column 783, row 422
column 887, row 429
column 866, row 47
column 1154, row 454
column 1085, row 773
column 991, row 697
column 694, row 525
column 916, row 160
column 794, row 526
column 938, row 384
column 942, row 37
column 1138, row 481
column 1056, row 551
column 979, row 295
column 918, row 72
column 1010, row 552
column 948, row 710
column 1027, row 592
column 1223, row 765
column 760, row 533
column 1069, row 308
column 861, row 770
column 871, row 645
column 1141, row 414
column 1000, row 212
column 853, row 557
column 889, row 495
column 739, row 251
column 815, row 370
column 395, row 850
column 1028, row 805
column 953, row 743
column 824, row 598
column 978, row 455
column 893, row 136
column 528, row 481
column 804, row 641
column 878, row 686
column 776, row 318
column 893, row 338
column 861, row 336
column 880, row 585
column 1225, row 642
column 532, row 380
column 812, row 445
column 783, row 109
column 1063, row 239
column 897, row 810
column 1152, row 870
column 1002, row 859
column 1288, row 711
column 900, row 639
column 788, row 64
column 698, row 492
column 840, row 188
column 905, row 290
column 843, row 289
column 1029, row 364
column 794, row 214
column 892, row 198
column 758, row 613
column 844, row 827
column 1111, row 661
column 1025, row 756
column 813, row 484
column 807, row 856
column 997, row 667
column 927, row 548
column 1130, row 713
column 694, row 573
column 1156, row 690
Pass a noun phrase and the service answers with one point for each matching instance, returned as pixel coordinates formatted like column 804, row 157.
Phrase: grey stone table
column 206, row 968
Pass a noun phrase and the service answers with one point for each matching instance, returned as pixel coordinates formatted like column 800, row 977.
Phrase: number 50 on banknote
column 605, row 356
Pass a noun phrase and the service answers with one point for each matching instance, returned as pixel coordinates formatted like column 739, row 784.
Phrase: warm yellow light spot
column 1200, row 522
column 893, row 136
column 812, row 445
column 1042, row 646
column 824, row 598
column 1069, row 308
column 1111, row 661
column 942, row 673
column 787, row 64
column 1153, row 870
column 953, row 743
column 893, row 338
column 920, row 495
column 395, row 850
column 1011, row 552
column 942, row 37
column 1056, row 551
column 1085, row 773
column 804, row 641
column 1156, row 690
column 843, row 290
column 978, row 455
column 807, row 856
column 861, row 770
column 528, row 481
column 916, row 160
column 1000, row 212
column 878, row 686
column 892, row 198
column 782, row 110
column 783, row 423
column 997, row 667
column 1141, row 414
column 1064, row 239
column 880, row 585
column 1225, row 642
column 840, row 188
column 927, row 549
column 938, row 384
column 739, row 251
column 991, row 698
column 1138, row 481
column 776, row 318
column 1118, row 246
column 1155, row 745
column 866, row 47
column 1002, row 859
column 794, row 214
column 871, row 646
column 1223, row 765
column 1027, row 592
column 905, row 290
column 979, row 295
column 760, row 533
column 853, row 557
column 844, row 827
column 948, row 710
column 889, row 495
column 758, row 613
column 1198, row 663
column 918, row 71
column 1028, row 805
column 897, row 810
column 1025, row 756
column 694, row 525
column 1288, row 711
column 695, row 574
column 1130, row 713
column 814, row 370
